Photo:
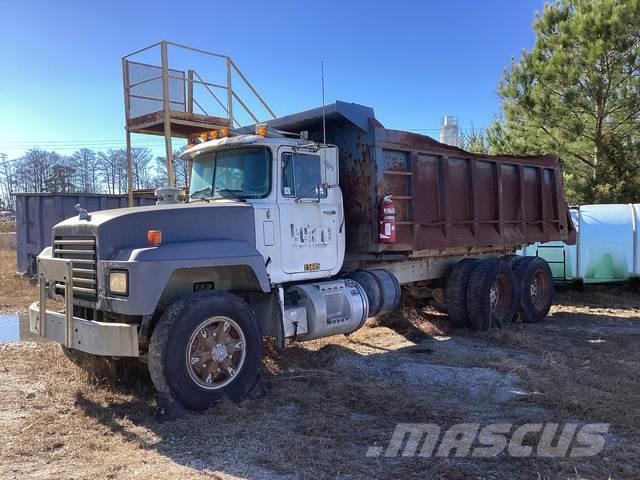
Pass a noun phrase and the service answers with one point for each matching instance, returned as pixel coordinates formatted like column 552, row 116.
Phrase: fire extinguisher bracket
column 386, row 220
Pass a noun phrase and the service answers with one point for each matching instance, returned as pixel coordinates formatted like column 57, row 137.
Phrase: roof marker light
column 261, row 129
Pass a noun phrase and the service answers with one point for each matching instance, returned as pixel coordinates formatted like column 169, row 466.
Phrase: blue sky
column 414, row 62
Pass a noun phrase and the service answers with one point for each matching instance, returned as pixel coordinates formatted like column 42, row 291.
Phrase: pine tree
column 576, row 93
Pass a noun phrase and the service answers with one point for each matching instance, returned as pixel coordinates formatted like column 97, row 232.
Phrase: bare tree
column 33, row 170
column 182, row 169
column 61, row 175
column 112, row 168
column 85, row 165
column 7, row 181
column 141, row 168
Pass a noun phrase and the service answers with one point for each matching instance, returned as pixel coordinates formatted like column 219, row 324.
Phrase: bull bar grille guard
column 90, row 336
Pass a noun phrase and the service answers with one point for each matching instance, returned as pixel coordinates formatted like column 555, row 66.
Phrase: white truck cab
column 292, row 185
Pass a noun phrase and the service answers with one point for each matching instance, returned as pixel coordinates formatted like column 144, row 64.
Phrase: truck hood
column 182, row 222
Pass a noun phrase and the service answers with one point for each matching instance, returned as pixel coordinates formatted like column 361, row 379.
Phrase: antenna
column 324, row 124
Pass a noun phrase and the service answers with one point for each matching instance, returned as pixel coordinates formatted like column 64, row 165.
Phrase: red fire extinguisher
column 386, row 220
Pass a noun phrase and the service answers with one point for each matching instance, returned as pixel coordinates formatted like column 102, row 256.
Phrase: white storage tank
column 606, row 249
column 606, row 243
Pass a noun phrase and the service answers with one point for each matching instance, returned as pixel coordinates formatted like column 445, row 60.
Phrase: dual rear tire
column 534, row 279
column 489, row 293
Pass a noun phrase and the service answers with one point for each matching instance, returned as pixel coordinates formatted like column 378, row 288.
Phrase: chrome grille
column 82, row 252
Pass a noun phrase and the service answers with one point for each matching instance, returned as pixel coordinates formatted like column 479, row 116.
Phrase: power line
column 75, row 147
column 78, row 147
column 78, row 144
column 115, row 141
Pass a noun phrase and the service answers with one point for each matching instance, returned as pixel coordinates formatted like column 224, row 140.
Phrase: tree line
column 86, row 171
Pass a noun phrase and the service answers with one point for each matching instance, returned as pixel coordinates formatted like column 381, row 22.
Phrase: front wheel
column 205, row 346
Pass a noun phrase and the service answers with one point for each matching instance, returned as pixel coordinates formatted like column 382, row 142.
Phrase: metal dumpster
column 37, row 213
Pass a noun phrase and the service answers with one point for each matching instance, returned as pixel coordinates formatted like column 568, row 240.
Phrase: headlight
column 118, row 282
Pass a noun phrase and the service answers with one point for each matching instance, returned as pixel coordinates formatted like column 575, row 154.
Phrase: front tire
column 206, row 346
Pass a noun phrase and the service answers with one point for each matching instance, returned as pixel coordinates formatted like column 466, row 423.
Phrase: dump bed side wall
column 358, row 176
column 445, row 197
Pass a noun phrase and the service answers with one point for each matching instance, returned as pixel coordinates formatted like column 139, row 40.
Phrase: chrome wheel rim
column 215, row 353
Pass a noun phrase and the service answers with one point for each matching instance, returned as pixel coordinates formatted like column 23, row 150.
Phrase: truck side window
column 301, row 177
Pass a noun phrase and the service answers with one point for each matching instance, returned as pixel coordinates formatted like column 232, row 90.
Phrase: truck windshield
column 232, row 173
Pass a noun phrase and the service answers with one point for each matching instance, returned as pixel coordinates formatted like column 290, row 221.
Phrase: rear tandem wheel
column 535, row 284
column 456, row 292
column 491, row 295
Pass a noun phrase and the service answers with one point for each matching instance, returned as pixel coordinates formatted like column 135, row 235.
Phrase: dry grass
column 316, row 422
column 329, row 399
column 7, row 226
column 16, row 291
column 415, row 319
column 588, row 361
column 584, row 359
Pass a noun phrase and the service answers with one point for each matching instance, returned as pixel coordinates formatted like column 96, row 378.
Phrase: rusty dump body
column 445, row 197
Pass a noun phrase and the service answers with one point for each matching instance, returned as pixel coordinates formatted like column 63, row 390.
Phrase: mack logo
column 311, row 267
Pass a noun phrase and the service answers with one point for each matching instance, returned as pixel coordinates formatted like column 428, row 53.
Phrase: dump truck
column 298, row 229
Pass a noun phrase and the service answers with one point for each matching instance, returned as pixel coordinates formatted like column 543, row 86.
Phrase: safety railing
column 153, row 88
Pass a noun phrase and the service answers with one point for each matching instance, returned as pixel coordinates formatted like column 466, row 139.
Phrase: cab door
column 309, row 214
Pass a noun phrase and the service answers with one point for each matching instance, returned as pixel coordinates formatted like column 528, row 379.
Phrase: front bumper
column 90, row 336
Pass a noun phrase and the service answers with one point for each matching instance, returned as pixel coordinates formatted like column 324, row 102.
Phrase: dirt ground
column 7, row 226
column 327, row 401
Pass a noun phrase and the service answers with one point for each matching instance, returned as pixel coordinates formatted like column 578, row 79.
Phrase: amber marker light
column 154, row 237
column 261, row 130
